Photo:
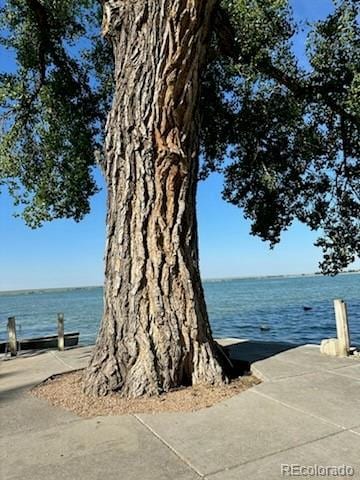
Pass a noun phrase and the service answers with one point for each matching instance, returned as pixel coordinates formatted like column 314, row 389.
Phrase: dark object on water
column 306, row 309
column 40, row 343
column 264, row 328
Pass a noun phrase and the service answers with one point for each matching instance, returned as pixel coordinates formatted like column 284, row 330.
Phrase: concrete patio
column 306, row 412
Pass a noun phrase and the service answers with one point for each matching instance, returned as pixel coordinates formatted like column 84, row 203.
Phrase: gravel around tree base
column 66, row 391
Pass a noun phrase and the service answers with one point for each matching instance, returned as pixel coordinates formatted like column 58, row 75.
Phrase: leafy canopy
column 52, row 107
column 285, row 137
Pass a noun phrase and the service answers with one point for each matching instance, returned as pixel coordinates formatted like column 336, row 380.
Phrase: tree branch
column 301, row 88
column 41, row 18
column 48, row 44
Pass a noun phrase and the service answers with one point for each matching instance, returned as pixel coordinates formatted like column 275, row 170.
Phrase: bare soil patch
column 66, row 391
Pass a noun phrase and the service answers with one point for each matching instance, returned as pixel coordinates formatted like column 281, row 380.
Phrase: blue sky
column 64, row 253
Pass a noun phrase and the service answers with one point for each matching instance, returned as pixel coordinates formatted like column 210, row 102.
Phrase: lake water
column 237, row 308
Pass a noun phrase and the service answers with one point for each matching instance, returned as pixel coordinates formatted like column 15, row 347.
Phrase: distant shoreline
column 264, row 277
column 208, row 280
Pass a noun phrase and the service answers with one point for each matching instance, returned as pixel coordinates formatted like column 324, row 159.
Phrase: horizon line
column 207, row 279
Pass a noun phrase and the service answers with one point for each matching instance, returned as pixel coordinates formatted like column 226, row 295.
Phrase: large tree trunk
column 155, row 333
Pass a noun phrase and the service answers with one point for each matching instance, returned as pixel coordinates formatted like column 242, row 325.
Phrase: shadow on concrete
column 243, row 354
column 23, row 354
column 9, row 394
column 85, row 355
column 9, row 374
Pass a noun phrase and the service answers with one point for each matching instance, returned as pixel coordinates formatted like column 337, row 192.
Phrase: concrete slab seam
column 61, row 360
column 255, row 371
column 298, row 409
column 170, row 447
column 344, row 375
column 309, row 442
column 318, row 369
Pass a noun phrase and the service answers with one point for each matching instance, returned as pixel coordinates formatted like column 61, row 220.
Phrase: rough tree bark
column 155, row 333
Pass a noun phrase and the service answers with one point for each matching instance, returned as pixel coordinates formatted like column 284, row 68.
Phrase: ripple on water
column 237, row 308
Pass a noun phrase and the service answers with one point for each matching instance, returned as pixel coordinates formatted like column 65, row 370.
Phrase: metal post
column 61, row 343
column 11, row 328
column 342, row 327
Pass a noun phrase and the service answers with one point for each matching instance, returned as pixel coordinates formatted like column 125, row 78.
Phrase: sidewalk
column 307, row 411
